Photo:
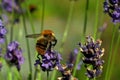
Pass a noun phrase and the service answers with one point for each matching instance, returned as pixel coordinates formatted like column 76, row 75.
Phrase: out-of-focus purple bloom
column 14, row 54
column 5, row 19
column 76, row 51
column 11, row 5
column 49, row 60
column 103, row 28
column 3, row 32
column 92, row 52
column 79, row 65
column 72, row 56
column 112, row 7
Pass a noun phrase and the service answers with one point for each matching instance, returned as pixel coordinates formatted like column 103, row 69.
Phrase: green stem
column 6, row 42
column 11, row 28
column 43, row 13
column 31, row 21
column 28, row 49
column 9, row 74
column 33, row 30
column 77, row 61
column 47, row 75
column 86, row 14
column 110, row 55
column 96, row 19
column 37, row 73
column 67, row 25
column 65, row 32
column 1, row 76
column 17, row 75
column 84, row 32
column 11, row 32
column 114, row 56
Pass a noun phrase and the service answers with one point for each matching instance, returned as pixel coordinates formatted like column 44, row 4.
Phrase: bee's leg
column 37, row 61
column 38, row 57
column 54, row 42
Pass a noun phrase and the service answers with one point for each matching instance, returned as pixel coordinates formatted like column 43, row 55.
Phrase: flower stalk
column 84, row 32
column 71, row 8
column 86, row 16
column 110, row 53
column 28, row 48
column 43, row 14
column 114, row 56
column 96, row 19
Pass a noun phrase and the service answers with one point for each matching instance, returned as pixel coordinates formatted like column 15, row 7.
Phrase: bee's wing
column 33, row 36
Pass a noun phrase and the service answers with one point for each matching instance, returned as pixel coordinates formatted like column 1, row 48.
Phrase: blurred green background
column 56, row 14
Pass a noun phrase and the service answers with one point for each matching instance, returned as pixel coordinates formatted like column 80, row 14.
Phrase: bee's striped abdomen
column 41, row 46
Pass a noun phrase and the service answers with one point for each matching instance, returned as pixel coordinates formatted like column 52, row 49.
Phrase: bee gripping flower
column 93, row 53
column 14, row 55
column 48, row 61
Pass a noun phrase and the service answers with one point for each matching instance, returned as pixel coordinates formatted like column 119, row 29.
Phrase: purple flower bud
column 11, row 5
column 79, row 65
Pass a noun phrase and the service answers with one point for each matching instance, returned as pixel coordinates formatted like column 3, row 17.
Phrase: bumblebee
column 46, row 40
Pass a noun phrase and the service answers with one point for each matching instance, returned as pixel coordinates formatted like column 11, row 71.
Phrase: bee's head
column 47, row 33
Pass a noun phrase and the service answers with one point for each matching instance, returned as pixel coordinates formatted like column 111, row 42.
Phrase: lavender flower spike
column 93, row 53
column 14, row 55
